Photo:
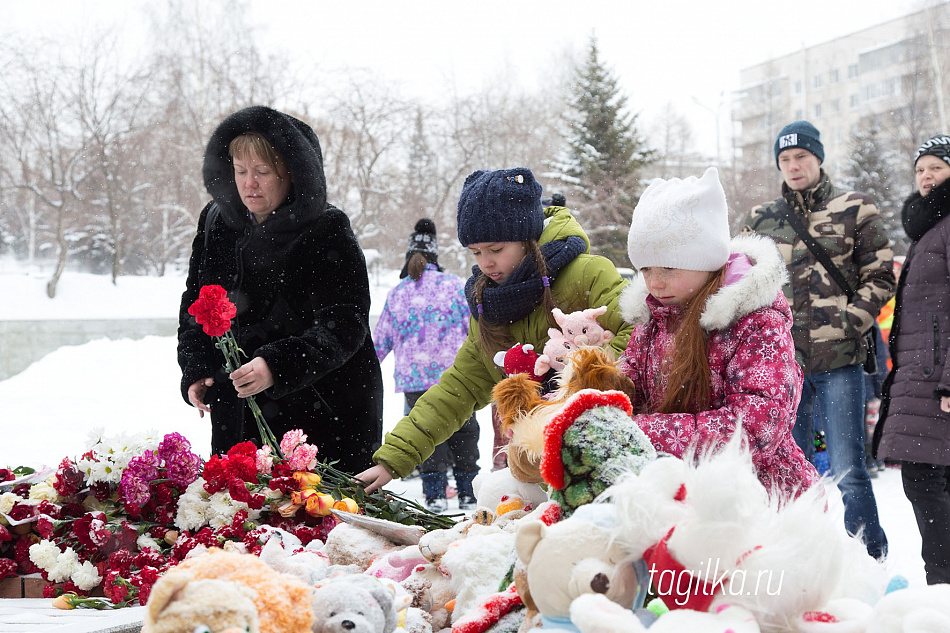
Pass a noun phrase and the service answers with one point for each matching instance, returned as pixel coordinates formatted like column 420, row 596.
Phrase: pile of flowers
column 111, row 522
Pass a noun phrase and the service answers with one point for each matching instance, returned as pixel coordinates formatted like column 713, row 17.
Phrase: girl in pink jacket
column 712, row 350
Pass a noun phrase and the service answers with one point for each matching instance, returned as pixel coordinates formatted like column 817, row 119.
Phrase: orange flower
column 319, row 504
column 307, row 479
column 346, row 505
column 300, row 497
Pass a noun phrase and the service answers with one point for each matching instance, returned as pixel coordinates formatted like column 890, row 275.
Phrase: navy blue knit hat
column 800, row 134
column 500, row 206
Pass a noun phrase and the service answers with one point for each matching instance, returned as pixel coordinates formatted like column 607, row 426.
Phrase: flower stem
column 228, row 345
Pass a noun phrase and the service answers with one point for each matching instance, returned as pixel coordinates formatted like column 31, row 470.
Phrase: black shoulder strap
column 820, row 254
column 210, row 219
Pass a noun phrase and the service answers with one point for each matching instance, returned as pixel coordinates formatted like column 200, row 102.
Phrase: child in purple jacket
column 425, row 321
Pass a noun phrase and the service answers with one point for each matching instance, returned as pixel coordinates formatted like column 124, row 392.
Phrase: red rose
column 213, row 311
column 21, row 511
column 68, row 479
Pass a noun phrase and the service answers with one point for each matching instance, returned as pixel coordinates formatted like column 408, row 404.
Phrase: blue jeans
column 837, row 396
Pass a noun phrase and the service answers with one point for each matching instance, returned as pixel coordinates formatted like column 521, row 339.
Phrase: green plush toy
column 591, row 441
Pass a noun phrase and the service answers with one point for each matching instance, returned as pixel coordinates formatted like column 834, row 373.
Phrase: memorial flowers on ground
column 132, row 507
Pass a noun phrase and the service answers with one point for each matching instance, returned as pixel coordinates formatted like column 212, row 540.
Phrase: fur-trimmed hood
column 295, row 141
column 756, row 289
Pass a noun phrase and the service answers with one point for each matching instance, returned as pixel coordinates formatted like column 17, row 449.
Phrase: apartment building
column 895, row 75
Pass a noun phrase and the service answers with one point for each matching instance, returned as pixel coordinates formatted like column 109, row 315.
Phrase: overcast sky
column 663, row 52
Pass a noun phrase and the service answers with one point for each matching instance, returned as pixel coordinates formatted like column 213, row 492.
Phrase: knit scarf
column 518, row 296
column 921, row 213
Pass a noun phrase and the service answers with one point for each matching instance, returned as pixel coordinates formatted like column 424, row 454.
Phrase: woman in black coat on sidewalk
column 293, row 267
column 915, row 413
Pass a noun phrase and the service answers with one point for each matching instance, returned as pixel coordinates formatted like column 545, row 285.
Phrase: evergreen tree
column 600, row 166
column 873, row 169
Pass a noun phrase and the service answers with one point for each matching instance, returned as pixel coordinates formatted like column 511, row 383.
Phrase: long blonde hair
column 496, row 336
column 689, row 383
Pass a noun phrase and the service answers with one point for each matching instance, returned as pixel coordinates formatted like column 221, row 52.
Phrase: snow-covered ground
column 126, row 386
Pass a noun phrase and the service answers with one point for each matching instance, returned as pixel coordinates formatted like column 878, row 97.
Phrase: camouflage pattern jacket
column 828, row 328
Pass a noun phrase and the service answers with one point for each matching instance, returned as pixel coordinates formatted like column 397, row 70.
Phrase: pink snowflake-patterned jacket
column 756, row 382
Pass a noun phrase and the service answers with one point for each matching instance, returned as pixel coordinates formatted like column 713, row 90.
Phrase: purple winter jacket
column 912, row 425
column 424, row 322
column 755, row 378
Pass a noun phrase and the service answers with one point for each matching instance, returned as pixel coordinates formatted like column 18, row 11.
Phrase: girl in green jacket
column 529, row 261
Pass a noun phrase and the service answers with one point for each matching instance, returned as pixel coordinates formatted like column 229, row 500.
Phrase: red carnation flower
column 7, row 568
column 213, row 311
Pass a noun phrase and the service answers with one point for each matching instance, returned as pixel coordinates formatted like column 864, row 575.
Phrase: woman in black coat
column 915, row 413
column 292, row 265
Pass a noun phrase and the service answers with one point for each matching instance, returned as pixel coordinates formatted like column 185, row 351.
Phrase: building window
column 798, row 87
column 836, row 106
column 816, row 82
column 833, row 76
column 798, row 114
column 854, row 102
column 853, row 71
column 817, row 110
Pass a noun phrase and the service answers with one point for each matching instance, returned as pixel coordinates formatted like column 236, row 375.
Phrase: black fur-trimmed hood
column 295, row 141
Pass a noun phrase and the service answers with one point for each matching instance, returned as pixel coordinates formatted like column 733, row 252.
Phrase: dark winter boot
column 463, row 483
column 433, row 487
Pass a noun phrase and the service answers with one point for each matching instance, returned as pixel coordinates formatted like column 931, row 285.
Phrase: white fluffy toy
column 711, row 536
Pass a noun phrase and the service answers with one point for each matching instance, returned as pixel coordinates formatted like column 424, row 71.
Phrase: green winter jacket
column 828, row 328
column 589, row 281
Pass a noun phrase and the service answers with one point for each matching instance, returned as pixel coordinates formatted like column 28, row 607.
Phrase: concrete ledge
column 35, row 615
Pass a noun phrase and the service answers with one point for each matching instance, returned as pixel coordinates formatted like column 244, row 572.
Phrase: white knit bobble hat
column 681, row 224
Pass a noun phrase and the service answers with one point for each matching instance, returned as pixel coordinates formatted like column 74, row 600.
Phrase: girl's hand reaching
column 375, row 477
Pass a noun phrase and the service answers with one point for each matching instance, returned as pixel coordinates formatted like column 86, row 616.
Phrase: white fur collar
column 756, row 289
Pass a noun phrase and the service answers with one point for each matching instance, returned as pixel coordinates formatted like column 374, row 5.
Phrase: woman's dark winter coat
column 912, row 426
column 301, row 289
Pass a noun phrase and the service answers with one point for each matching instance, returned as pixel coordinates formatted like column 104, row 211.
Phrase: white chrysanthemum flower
column 44, row 554
column 147, row 542
column 111, row 455
column 87, row 576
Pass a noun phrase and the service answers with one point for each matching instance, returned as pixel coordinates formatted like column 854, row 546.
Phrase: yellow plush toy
column 179, row 604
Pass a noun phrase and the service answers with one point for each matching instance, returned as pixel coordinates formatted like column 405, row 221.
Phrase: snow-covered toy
column 555, row 352
column 284, row 552
column 178, row 603
column 350, row 545
column 711, row 535
column 590, row 441
column 519, row 359
column 431, row 592
column 501, row 497
column 491, row 612
column 397, row 564
column 594, row 613
column 282, row 601
column 577, row 556
column 581, row 327
column 355, row 603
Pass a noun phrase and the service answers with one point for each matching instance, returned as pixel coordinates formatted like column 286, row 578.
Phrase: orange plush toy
column 283, row 602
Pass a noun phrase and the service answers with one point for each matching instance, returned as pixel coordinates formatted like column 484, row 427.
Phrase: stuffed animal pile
column 587, row 519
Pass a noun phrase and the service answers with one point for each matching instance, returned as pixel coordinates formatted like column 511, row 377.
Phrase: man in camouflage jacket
column 829, row 327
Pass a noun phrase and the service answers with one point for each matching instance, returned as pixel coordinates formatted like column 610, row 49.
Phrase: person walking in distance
column 424, row 323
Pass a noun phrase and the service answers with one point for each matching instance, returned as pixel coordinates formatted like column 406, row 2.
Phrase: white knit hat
column 681, row 224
